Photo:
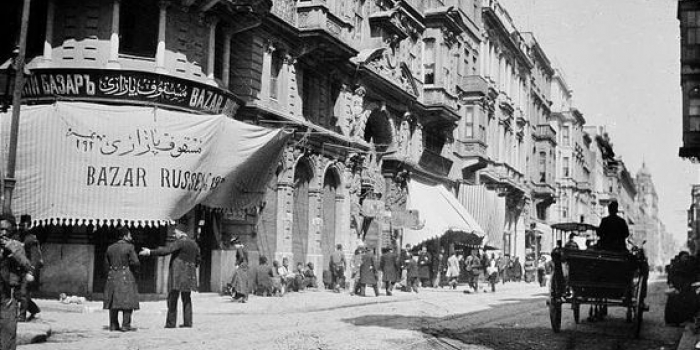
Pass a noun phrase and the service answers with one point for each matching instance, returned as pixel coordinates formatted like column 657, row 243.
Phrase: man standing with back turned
column 183, row 274
column 613, row 231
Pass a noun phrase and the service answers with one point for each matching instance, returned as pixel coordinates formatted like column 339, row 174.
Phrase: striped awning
column 83, row 163
column 440, row 211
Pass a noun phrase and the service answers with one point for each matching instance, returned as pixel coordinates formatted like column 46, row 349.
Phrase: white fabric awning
column 82, row 163
column 439, row 210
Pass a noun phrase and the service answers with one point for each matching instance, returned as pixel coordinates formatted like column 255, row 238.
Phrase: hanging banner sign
column 133, row 86
column 78, row 162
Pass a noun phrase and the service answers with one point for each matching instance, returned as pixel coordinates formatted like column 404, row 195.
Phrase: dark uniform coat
column 183, row 264
column 368, row 269
column 613, row 232
column 121, row 291
column 389, row 266
column 424, row 264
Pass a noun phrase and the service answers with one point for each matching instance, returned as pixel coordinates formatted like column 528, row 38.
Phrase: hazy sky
column 621, row 58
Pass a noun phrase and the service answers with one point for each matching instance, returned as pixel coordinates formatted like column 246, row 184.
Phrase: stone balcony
column 583, row 186
column 543, row 190
column 435, row 162
column 440, row 104
column 503, row 177
column 474, row 85
column 473, row 152
column 323, row 30
column 545, row 132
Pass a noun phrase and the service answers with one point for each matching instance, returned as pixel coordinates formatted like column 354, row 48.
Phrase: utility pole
column 9, row 181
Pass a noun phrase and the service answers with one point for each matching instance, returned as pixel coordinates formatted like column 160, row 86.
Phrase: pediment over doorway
column 384, row 61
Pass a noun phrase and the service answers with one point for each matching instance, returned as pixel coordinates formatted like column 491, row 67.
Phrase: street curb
column 30, row 333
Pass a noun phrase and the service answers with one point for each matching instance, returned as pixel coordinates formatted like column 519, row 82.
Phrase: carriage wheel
column 639, row 306
column 577, row 311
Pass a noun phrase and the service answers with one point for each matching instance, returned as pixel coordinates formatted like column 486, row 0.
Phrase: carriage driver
column 613, row 231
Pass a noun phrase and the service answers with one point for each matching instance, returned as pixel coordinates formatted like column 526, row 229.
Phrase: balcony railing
column 316, row 15
column 545, row 132
column 543, row 189
column 584, row 186
column 432, row 160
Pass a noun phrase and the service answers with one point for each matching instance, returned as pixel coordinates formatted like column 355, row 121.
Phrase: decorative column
column 285, row 199
column 211, row 55
column 160, row 49
column 269, row 49
column 226, row 70
column 48, row 40
column 313, row 252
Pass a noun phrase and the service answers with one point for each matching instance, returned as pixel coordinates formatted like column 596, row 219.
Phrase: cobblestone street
column 513, row 318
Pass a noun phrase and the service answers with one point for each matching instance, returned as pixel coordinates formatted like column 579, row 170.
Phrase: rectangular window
column 138, row 28
column 566, row 135
column 469, row 123
column 566, row 172
column 429, row 62
column 275, row 69
column 543, row 167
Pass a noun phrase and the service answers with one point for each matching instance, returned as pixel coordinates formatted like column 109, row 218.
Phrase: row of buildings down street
column 410, row 119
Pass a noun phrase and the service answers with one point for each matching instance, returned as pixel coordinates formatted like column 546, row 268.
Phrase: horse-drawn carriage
column 600, row 278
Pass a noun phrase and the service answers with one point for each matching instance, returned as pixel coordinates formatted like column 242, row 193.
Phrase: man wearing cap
column 13, row 262
column 32, row 251
column 182, row 279
column 121, row 292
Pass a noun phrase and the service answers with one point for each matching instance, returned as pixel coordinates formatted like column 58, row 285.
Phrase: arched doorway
column 300, row 211
column 328, row 212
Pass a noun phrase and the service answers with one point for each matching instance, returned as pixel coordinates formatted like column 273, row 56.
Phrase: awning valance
column 81, row 163
column 440, row 211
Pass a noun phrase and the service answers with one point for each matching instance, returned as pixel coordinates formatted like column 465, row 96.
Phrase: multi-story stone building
column 689, row 17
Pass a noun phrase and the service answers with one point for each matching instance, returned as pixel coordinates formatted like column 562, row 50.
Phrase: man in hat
column 337, row 267
column 613, row 230
column 13, row 262
column 32, row 251
column 121, row 292
column 183, row 274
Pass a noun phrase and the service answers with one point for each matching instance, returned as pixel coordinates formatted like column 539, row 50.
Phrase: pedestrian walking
column 530, row 268
column 121, row 292
column 182, row 279
column 424, row 266
column 356, row 264
column 492, row 273
column 438, row 267
column 473, row 268
column 240, row 283
column 404, row 259
column 32, row 251
column 13, row 264
column 368, row 273
column 389, row 266
column 516, row 270
column 413, row 274
column 453, row 269
column 337, row 266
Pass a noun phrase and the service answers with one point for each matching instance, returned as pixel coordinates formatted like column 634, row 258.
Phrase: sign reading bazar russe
column 134, row 86
column 83, row 161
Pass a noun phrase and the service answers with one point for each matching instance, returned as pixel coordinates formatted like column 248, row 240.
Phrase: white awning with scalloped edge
column 439, row 210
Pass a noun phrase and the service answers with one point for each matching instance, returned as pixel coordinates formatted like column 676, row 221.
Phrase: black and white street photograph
column 349, row 174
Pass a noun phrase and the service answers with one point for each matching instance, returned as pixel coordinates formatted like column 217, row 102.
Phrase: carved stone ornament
column 385, row 63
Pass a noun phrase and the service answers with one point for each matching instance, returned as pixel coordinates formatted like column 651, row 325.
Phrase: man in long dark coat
column 183, row 275
column 613, row 230
column 425, row 261
column 121, row 292
column 389, row 266
column 32, row 251
column 368, row 273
